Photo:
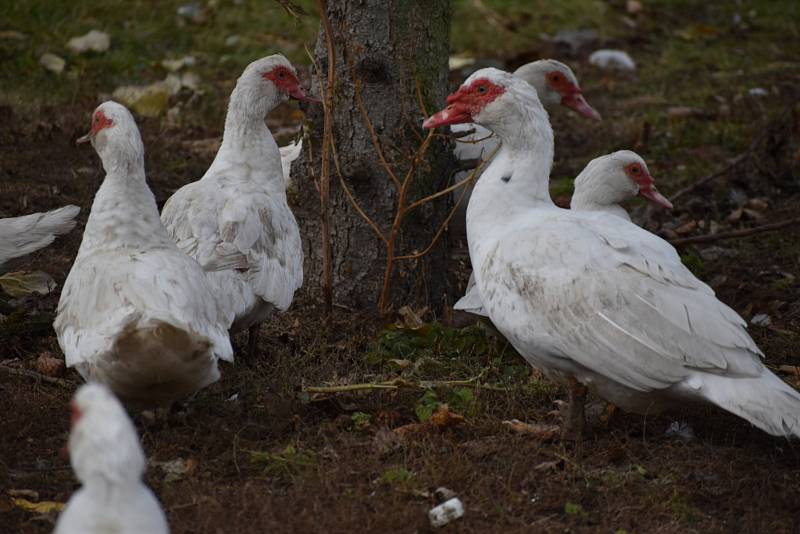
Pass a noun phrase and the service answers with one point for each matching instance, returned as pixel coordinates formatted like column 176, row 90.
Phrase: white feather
column 108, row 461
column 588, row 295
column 235, row 220
column 23, row 235
column 136, row 313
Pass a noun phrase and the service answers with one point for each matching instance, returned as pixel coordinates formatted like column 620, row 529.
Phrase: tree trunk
column 392, row 47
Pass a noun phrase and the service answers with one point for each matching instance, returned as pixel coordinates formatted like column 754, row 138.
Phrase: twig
column 324, row 180
column 439, row 232
column 735, row 233
column 34, row 375
column 397, row 223
column 735, row 162
column 353, row 200
column 373, row 136
column 456, row 185
column 399, row 383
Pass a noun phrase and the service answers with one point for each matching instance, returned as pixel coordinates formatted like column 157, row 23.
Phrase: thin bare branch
column 374, row 136
column 438, row 233
column 325, row 175
column 34, row 375
column 455, row 186
column 733, row 234
column 353, row 200
column 735, row 162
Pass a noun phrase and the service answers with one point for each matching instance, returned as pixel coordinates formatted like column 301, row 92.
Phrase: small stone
column 680, row 430
column 232, row 40
column 148, row 101
column 193, row 12
column 575, row 40
column 633, row 6
column 612, row 60
column 758, row 92
column 174, row 65
column 53, row 63
column 761, row 319
column 95, row 41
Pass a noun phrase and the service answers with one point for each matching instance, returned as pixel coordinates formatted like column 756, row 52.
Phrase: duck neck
column 247, row 140
column 519, row 175
column 124, row 212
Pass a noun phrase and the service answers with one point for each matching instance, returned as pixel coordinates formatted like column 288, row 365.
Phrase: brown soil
column 628, row 475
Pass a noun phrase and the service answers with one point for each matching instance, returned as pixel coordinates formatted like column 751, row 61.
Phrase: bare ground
column 266, row 457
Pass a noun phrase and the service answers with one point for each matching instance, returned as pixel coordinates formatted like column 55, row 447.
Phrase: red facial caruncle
column 571, row 95
column 99, row 122
column 286, row 81
column 465, row 103
column 75, row 414
column 647, row 188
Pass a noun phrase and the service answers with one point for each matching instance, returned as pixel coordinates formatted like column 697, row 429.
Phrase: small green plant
column 360, row 420
column 426, row 405
column 574, row 509
column 290, row 462
column 694, row 263
column 397, row 476
column 462, row 400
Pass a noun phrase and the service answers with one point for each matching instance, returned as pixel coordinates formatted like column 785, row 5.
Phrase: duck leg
column 252, row 342
column 576, row 419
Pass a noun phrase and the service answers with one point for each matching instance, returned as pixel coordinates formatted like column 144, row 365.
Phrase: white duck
column 556, row 85
column 24, row 235
column 108, row 461
column 593, row 299
column 603, row 185
column 235, row 220
column 136, row 313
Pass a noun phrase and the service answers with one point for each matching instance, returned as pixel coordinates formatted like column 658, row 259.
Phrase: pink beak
column 651, row 193
column 298, row 93
column 452, row 114
column 576, row 102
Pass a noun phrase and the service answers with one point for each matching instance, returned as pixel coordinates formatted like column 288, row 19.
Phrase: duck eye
column 482, row 89
column 635, row 170
column 281, row 74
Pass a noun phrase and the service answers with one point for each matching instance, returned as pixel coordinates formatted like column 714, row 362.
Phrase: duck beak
column 84, row 139
column 298, row 93
column 576, row 102
column 651, row 193
column 452, row 114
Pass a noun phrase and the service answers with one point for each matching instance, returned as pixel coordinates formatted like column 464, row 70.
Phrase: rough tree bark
column 393, row 48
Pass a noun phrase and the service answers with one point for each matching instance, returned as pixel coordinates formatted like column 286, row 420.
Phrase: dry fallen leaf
column 538, row 431
column 686, row 228
column 443, row 417
column 19, row 284
column 43, row 507
column 49, row 365
column 549, row 466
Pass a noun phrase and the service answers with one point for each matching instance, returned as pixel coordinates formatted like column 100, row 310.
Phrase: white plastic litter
column 612, row 60
column 446, row 512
